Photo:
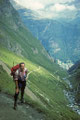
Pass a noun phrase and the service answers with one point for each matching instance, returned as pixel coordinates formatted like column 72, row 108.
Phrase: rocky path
column 23, row 112
column 27, row 90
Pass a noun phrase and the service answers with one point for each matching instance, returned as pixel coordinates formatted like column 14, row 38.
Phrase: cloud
column 57, row 11
column 49, row 9
column 62, row 7
column 30, row 4
column 39, row 4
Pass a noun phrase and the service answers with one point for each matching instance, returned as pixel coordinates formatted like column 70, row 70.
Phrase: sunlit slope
column 17, row 38
column 47, row 87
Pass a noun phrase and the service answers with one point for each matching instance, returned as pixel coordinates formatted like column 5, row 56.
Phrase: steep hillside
column 45, row 84
column 74, row 78
column 74, row 67
column 61, row 38
column 17, row 38
column 47, row 87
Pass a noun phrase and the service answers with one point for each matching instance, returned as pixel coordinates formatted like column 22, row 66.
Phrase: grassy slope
column 49, row 89
column 27, row 46
column 16, row 37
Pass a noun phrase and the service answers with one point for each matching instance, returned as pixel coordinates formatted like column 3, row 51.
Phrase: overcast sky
column 51, row 8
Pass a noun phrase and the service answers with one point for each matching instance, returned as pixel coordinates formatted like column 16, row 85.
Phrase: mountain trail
column 27, row 90
column 23, row 112
column 5, row 67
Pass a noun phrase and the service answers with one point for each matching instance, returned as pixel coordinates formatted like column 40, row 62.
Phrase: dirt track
column 27, row 90
column 24, row 112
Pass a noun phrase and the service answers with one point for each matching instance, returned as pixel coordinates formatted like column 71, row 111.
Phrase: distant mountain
column 60, row 38
column 45, row 82
column 17, row 38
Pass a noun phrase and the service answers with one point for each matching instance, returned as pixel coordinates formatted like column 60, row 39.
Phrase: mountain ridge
column 17, row 38
column 60, row 35
column 18, row 44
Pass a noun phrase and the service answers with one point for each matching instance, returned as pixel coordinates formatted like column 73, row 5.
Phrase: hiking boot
column 22, row 101
column 15, row 106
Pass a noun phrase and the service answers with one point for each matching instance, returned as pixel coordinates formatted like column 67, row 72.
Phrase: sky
column 51, row 9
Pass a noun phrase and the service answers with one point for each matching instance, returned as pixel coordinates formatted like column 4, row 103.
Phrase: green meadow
column 47, row 87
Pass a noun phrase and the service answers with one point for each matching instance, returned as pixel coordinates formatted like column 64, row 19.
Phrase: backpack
column 14, row 69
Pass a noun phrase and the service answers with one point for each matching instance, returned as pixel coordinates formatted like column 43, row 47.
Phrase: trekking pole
column 13, row 63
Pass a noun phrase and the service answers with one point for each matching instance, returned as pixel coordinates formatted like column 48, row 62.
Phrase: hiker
column 20, row 82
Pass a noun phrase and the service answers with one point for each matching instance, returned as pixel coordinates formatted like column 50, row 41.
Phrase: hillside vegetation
column 17, row 44
column 17, row 38
column 48, row 88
